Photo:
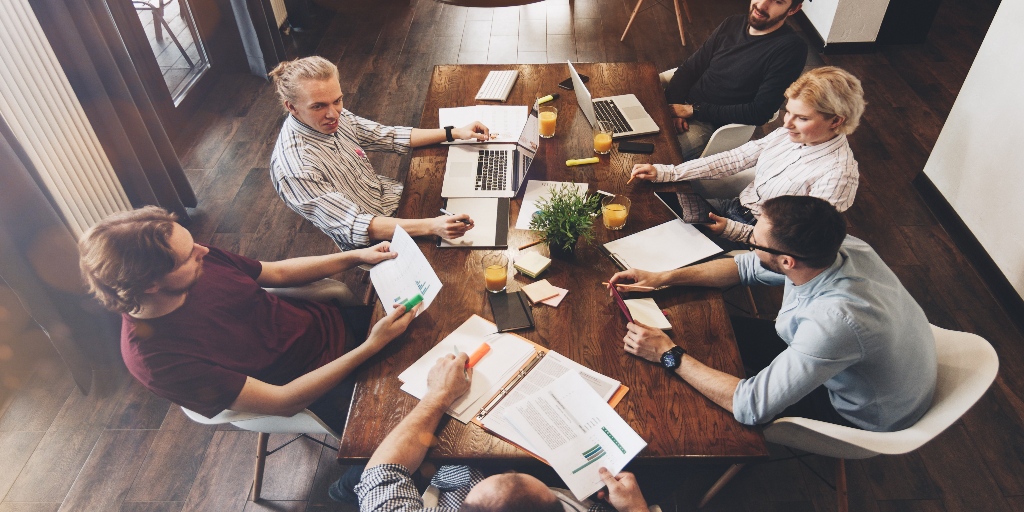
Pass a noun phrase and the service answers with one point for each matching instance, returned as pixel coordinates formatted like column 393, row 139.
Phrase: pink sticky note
column 556, row 300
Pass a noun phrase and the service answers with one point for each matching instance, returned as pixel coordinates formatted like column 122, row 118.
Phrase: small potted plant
column 563, row 218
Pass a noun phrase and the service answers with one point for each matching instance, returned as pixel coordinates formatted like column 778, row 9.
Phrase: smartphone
column 567, row 83
column 636, row 147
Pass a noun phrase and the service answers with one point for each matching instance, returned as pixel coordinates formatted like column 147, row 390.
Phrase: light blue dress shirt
column 853, row 328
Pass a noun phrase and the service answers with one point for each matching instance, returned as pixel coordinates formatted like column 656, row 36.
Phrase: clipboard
column 511, row 384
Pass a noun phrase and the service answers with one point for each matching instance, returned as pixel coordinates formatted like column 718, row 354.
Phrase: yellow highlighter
column 582, row 161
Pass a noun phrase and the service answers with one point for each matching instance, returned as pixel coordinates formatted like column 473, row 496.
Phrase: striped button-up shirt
column 328, row 179
column 784, row 168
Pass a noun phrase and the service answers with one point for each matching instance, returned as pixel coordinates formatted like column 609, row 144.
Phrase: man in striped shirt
column 320, row 169
column 809, row 155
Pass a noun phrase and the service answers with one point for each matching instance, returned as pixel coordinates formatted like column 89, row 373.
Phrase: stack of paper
column 507, row 355
column 532, row 264
column 568, row 424
column 647, row 312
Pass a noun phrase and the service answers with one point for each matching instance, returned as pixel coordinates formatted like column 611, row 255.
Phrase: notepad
column 532, row 264
column 540, row 291
column 647, row 312
column 556, row 300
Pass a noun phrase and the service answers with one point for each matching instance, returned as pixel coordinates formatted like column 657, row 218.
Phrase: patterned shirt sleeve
column 715, row 166
column 374, row 136
column 328, row 209
column 389, row 488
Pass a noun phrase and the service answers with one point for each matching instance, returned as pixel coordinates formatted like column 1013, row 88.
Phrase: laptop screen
column 583, row 96
column 530, row 138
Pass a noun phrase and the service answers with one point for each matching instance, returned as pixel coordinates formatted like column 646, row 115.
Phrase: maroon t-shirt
column 200, row 354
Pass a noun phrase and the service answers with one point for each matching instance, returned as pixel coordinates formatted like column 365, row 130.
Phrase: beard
column 762, row 24
column 185, row 288
column 771, row 267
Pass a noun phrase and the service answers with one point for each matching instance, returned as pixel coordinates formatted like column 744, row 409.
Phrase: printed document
column 577, row 432
column 535, row 191
column 552, row 366
column 505, row 122
column 400, row 279
column 507, row 355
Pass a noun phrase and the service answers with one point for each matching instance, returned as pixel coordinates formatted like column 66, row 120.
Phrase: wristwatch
column 672, row 357
column 448, row 133
column 696, row 110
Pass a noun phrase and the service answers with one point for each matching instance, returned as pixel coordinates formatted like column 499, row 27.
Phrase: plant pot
column 558, row 252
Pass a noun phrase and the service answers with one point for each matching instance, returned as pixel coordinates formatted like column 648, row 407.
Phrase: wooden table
column 678, row 423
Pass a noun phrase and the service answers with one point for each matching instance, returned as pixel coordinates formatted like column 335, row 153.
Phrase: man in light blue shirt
column 854, row 347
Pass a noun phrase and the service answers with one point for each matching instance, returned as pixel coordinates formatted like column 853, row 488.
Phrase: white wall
column 977, row 163
column 846, row 21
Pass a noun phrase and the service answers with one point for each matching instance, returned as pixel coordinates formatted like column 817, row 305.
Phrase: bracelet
column 448, row 133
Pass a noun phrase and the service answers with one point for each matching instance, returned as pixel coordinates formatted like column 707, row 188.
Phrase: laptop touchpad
column 463, row 169
column 634, row 112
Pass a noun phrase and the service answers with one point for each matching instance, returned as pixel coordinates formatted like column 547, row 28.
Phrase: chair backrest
column 304, row 422
column 725, row 138
column 967, row 365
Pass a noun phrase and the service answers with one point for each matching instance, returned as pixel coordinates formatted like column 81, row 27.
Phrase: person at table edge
column 319, row 165
column 850, row 345
column 386, row 483
column 809, row 155
column 737, row 75
column 199, row 329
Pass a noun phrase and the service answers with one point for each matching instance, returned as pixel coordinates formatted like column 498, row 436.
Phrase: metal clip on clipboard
column 618, row 261
column 505, row 390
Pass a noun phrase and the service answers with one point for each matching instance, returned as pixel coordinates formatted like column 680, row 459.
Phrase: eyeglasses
column 769, row 250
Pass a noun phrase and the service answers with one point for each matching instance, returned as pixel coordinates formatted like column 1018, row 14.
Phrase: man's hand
column 389, row 327
column 448, row 379
column 644, row 172
column 634, row 280
column 646, row 342
column 475, row 130
column 451, row 226
column 376, row 254
column 623, row 492
column 718, row 226
column 680, row 113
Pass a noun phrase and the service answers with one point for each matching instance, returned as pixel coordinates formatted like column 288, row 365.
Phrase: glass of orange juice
column 603, row 138
column 547, row 117
column 615, row 210
column 495, row 272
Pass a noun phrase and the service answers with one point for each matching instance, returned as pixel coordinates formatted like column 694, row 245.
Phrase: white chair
column 305, row 423
column 967, row 366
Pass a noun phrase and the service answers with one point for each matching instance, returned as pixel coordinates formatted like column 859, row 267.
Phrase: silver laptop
column 625, row 113
column 491, row 170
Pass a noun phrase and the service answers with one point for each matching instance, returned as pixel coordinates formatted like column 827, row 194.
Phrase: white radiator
column 44, row 114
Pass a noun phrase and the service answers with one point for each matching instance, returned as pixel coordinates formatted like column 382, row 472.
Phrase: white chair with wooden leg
column 304, row 424
column 679, row 18
column 967, row 366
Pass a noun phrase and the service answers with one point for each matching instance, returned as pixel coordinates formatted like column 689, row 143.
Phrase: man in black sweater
column 738, row 75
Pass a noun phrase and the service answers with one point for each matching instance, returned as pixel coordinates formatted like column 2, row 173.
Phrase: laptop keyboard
column 491, row 167
column 606, row 111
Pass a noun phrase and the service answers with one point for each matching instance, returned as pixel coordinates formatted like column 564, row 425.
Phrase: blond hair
column 288, row 75
column 832, row 92
column 124, row 254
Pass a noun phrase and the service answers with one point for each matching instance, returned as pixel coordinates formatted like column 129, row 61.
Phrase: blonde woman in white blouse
column 809, row 155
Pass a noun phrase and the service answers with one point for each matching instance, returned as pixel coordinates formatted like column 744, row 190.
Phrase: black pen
column 446, row 212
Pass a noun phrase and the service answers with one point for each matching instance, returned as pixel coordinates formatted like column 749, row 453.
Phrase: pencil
column 633, row 285
column 630, row 180
column 531, row 244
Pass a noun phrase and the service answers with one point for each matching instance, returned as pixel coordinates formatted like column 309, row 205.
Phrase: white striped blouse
column 827, row 170
column 328, row 179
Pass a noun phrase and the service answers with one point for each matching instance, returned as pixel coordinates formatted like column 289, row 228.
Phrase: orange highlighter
column 477, row 355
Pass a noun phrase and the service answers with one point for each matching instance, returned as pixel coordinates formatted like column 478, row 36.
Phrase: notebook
column 490, row 222
column 664, row 247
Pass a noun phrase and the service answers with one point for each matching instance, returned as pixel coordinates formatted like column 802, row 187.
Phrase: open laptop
column 491, row 170
column 625, row 113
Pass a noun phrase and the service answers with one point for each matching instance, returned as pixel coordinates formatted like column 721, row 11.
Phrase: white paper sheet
column 505, row 121
column 647, row 312
column 484, row 212
column 664, row 247
column 507, row 355
column 535, row 191
column 576, row 432
column 549, row 369
column 403, row 277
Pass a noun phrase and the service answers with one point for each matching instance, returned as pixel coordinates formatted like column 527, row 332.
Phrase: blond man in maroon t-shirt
column 199, row 329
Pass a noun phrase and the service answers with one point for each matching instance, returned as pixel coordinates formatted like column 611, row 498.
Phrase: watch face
column 669, row 359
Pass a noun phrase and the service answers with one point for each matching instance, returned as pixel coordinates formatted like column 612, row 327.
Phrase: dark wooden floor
column 120, row 448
